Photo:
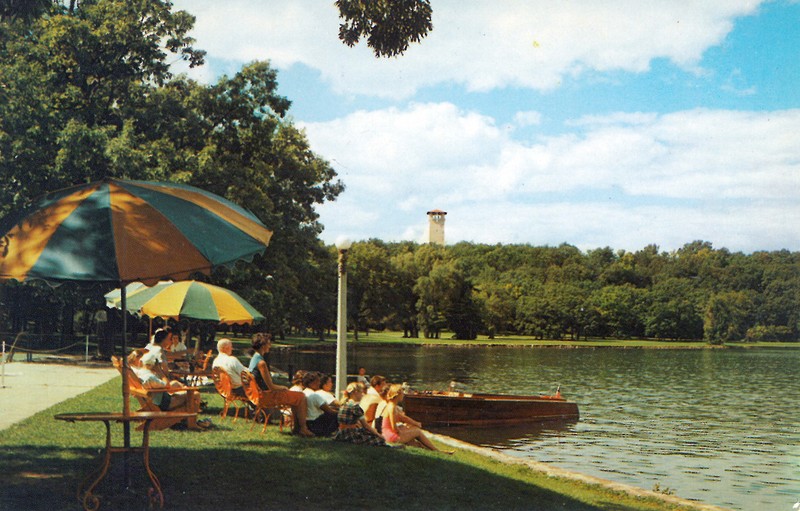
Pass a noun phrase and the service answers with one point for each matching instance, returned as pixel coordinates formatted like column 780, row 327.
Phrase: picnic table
column 85, row 493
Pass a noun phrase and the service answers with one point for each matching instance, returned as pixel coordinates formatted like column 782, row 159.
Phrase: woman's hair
column 377, row 380
column 310, row 377
column 323, row 379
column 352, row 387
column 394, row 391
column 298, row 377
column 133, row 358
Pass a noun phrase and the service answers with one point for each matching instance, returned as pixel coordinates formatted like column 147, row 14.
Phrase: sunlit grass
column 232, row 467
column 389, row 337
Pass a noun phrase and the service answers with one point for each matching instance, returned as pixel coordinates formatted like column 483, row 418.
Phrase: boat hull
column 460, row 409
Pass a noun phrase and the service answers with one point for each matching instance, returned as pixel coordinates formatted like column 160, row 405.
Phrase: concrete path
column 30, row 387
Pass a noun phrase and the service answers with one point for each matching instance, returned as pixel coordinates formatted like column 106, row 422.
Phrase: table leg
column 155, row 494
column 86, row 497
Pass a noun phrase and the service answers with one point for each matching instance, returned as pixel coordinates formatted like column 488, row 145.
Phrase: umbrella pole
column 126, row 402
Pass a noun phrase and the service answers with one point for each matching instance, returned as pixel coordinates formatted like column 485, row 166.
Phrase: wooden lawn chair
column 145, row 398
column 194, row 377
column 264, row 402
column 256, row 396
column 222, row 382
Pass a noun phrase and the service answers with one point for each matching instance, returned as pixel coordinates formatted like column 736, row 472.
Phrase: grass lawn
column 389, row 337
column 231, row 467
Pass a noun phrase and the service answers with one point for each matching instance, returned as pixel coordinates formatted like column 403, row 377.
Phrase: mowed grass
column 393, row 337
column 231, row 466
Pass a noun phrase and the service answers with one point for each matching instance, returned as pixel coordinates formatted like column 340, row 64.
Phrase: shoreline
column 570, row 475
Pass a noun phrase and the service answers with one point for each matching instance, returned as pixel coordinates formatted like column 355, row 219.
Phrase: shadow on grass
column 320, row 475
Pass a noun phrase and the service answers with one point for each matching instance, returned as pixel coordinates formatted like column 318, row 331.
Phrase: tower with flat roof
column 436, row 226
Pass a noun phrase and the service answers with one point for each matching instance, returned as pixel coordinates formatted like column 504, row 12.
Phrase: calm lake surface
column 718, row 426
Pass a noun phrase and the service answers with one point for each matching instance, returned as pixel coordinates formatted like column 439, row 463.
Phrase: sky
column 613, row 123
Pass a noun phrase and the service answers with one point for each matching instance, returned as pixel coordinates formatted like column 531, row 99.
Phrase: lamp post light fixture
column 343, row 244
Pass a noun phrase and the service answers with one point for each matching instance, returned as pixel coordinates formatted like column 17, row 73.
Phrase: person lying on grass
column 400, row 428
column 352, row 425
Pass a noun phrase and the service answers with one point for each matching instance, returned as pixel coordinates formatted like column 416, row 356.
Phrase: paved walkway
column 30, row 387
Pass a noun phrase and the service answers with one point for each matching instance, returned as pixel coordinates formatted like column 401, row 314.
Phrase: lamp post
column 343, row 244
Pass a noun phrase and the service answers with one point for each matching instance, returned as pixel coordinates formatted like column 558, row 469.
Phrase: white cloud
column 732, row 178
column 481, row 45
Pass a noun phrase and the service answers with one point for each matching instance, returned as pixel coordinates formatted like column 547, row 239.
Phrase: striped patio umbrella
column 127, row 231
column 119, row 231
column 193, row 300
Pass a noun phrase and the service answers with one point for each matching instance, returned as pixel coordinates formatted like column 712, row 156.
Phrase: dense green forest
column 86, row 92
column 696, row 292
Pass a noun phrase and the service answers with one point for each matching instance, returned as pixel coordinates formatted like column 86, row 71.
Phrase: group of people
column 368, row 414
column 151, row 367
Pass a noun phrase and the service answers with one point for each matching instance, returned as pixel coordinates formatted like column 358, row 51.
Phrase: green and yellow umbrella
column 193, row 300
column 127, row 231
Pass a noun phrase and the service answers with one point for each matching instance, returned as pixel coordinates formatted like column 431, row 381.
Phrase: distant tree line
column 694, row 293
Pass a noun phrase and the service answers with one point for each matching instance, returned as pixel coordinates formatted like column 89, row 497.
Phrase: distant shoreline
column 394, row 339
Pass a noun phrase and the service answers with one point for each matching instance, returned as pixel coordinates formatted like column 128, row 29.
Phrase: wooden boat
column 448, row 408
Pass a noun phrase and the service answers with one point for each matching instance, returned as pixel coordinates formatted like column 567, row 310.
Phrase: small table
column 85, row 496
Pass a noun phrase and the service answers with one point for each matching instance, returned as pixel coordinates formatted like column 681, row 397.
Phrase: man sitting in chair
column 231, row 365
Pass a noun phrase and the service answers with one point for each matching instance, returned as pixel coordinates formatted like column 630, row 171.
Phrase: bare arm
column 369, row 414
column 408, row 420
column 265, row 374
column 365, row 425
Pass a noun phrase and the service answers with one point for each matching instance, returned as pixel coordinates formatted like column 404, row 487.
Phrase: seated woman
column 352, row 425
column 297, row 380
column 372, row 400
column 167, row 401
column 326, row 390
column 279, row 395
column 321, row 417
column 400, row 428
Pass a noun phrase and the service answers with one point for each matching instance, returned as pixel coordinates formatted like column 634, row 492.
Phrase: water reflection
column 508, row 437
column 720, row 426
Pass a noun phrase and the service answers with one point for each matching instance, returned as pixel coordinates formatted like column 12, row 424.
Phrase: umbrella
column 191, row 299
column 118, row 231
column 113, row 297
column 127, row 231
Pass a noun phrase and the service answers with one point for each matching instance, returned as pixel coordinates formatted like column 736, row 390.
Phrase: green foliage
column 388, row 25
column 87, row 93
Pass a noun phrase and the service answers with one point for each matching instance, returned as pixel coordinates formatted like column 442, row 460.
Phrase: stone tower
column 436, row 226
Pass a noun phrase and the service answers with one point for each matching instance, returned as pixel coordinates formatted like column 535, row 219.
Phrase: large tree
column 87, row 93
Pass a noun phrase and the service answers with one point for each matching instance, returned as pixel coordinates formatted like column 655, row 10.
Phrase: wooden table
column 90, row 501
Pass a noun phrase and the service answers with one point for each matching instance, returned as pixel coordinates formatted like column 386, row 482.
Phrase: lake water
column 717, row 426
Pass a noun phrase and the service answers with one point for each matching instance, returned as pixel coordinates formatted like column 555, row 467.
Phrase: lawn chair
column 222, row 382
column 195, row 375
column 263, row 401
column 255, row 395
column 145, row 398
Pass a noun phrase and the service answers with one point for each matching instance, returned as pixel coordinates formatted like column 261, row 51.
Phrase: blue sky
column 596, row 123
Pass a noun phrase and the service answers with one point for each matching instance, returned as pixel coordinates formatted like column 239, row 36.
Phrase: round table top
column 120, row 417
